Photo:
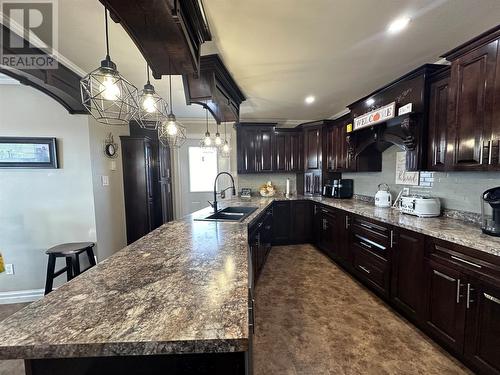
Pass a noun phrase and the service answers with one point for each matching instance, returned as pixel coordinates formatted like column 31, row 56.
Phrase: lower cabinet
column 292, row 222
column 407, row 263
column 260, row 236
column 327, row 235
column 281, row 222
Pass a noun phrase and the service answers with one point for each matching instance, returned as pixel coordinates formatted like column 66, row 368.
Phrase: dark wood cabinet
column 407, row 284
column 474, row 91
column 444, row 314
column 438, row 124
column 259, row 241
column 313, row 182
column 301, row 226
column 255, row 148
column 313, row 146
column 327, row 232
column 336, row 157
column 482, row 342
column 288, row 151
column 281, row 222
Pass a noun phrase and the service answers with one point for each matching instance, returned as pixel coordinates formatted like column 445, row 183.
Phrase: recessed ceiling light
column 310, row 99
column 398, row 25
column 370, row 101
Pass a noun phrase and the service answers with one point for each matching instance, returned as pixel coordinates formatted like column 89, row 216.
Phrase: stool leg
column 90, row 255
column 76, row 264
column 69, row 269
column 50, row 274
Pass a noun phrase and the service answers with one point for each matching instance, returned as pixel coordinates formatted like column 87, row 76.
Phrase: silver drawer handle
column 491, row 298
column 466, row 262
column 366, row 225
column 373, row 243
column 365, row 245
column 365, row 269
column 444, row 276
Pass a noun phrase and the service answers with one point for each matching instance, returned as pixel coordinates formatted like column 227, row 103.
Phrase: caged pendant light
column 106, row 95
column 152, row 109
column 171, row 132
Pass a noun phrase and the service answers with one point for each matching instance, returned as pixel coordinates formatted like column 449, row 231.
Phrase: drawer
column 374, row 231
column 372, row 268
column 470, row 261
column 369, row 243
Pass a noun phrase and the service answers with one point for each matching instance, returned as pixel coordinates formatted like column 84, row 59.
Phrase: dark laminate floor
column 312, row 318
column 14, row 367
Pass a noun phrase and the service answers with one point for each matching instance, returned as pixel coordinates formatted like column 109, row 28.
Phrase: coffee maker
column 490, row 212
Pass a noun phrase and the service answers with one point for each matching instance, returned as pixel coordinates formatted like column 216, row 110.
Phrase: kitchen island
column 178, row 298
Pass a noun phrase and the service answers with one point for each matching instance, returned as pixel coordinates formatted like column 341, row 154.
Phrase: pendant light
column 206, row 141
column 217, row 139
column 106, row 95
column 171, row 132
column 152, row 109
column 225, row 148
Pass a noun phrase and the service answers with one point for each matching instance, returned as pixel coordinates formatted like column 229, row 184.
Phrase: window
column 202, row 169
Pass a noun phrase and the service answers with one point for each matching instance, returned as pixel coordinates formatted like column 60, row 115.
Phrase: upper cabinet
column 262, row 149
column 473, row 117
column 255, row 148
column 215, row 88
column 438, row 115
column 336, row 153
column 168, row 33
column 313, row 144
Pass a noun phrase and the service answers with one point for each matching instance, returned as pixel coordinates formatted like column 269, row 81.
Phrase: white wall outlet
column 105, row 180
column 9, row 269
column 406, row 191
column 112, row 165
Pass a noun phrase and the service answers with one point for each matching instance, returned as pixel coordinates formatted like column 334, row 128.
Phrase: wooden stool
column 71, row 252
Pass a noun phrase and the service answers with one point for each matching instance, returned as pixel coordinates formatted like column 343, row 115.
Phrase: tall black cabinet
column 147, row 183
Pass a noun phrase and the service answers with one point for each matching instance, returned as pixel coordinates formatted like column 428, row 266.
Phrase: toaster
column 420, row 206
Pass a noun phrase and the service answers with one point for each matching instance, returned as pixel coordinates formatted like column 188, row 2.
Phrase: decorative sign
column 404, row 177
column 349, row 128
column 374, row 117
column 405, row 109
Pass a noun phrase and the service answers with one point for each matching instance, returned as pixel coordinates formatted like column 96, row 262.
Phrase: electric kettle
column 383, row 197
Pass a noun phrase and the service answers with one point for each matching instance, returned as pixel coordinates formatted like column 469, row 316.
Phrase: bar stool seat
column 71, row 252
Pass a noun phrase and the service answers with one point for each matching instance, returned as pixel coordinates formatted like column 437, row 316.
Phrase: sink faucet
column 214, row 204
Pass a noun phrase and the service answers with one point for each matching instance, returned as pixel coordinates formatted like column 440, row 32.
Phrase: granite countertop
column 183, row 288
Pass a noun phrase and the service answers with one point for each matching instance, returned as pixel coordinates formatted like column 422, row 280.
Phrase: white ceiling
column 280, row 51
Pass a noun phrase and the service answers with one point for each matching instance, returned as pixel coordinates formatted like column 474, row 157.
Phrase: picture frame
column 28, row 152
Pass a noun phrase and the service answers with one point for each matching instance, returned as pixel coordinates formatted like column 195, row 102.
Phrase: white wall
column 40, row 208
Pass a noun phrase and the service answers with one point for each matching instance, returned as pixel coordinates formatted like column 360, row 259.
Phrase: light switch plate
column 9, row 269
column 113, row 165
column 105, row 180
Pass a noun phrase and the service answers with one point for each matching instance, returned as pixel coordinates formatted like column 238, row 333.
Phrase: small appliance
column 327, row 190
column 343, row 188
column 490, row 212
column 383, row 197
column 420, row 206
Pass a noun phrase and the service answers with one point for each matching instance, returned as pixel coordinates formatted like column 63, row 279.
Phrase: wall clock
column 110, row 147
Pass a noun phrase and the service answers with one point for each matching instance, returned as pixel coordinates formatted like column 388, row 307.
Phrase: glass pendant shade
column 106, row 95
column 206, row 141
column 152, row 109
column 171, row 132
column 225, row 149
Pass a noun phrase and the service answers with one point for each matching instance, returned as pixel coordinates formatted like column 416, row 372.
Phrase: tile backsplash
column 457, row 190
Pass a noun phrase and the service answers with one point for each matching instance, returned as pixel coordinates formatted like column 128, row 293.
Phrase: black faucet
column 214, row 204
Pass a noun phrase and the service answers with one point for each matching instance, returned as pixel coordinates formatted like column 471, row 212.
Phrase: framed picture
column 25, row 152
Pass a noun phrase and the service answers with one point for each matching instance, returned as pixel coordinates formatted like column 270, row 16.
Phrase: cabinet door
column 246, row 150
column 265, row 150
column 444, row 315
column 167, row 206
column 330, row 157
column 316, row 181
column 407, row 271
column 296, row 152
column 327, row 238
column 316, row 223
column 482, row 345
column 438, row 111
column 282, row 152
column 342, row 237
column 472, row 92
column 301, row 221
column 313, row 148
column 281, row 222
